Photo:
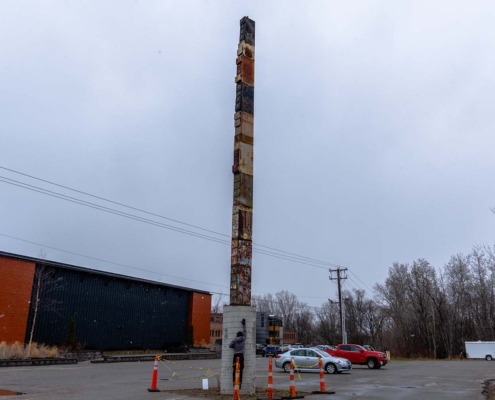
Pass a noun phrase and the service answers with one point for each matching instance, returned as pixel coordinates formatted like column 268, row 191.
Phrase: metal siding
column 111, row 313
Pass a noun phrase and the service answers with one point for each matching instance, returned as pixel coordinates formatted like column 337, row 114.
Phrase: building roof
column 95, row 271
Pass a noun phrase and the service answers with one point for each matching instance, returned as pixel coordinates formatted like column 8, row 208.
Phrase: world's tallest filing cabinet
column 242, row 213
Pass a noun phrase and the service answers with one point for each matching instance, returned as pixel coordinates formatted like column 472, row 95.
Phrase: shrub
column 3, row 350
column 16, row 351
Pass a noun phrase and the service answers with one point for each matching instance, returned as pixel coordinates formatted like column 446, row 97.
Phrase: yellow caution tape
column 208, row 371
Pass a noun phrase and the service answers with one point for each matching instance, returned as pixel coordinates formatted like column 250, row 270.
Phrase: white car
column 308, row 359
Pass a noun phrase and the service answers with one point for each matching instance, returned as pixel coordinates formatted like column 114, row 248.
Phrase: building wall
column 111, row 313
column 16, row 283
column 216, row 326
column 199, row 317
column 269, row 328
column 290, row 337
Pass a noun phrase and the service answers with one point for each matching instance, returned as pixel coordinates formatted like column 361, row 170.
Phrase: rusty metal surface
column 245, row 49
column 243, row 138
column 242, row 223
column 243, row 156
column 247, row 30
column 245, row 70
column 243, row 123
column 244, row 99
column 243, row 189
column 242, row 212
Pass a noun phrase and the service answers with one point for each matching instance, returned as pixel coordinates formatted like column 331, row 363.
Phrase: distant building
column 216, row 325
column 112, row 311
column 290, row 337
column 269, row 328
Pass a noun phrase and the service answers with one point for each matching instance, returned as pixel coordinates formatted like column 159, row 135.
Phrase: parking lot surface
column 398, row 380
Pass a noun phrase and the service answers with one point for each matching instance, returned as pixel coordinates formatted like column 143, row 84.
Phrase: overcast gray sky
column 373, row 134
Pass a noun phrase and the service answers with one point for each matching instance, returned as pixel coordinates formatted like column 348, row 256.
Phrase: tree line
column 418, row 311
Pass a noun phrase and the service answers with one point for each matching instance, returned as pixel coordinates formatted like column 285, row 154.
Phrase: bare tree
column 218, row 303
column 44, row 285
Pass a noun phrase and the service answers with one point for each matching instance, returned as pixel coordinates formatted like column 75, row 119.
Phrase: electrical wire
column 136, row 268
column 276, row 253
column 357, row 277
column 170, row 219
column 142, row 219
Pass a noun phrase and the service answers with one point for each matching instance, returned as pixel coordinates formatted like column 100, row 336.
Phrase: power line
column 357, row 277
column 132, row 267
column 276, row 253
column 142, row 219
column 164, row 217
column 112, row 201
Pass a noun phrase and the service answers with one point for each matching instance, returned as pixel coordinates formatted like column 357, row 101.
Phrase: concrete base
column 232, row 316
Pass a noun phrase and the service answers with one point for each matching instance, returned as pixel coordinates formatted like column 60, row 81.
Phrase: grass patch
column 17, row 351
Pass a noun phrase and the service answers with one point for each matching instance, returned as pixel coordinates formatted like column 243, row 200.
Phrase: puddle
column 9, row 393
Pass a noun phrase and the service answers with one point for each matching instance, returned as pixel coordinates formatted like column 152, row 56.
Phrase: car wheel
column 286, row 366
column 371, row 363
column 488, row 358
column 331, row 368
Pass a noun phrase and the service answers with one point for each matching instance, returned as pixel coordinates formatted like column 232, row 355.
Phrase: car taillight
column 278, row 356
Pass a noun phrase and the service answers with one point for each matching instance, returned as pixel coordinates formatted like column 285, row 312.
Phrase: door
column 358, row 355
column 312, row 359
column 299, row 358
column 345, row 352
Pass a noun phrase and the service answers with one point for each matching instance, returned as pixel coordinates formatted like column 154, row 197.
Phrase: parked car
column 308, row 359
column 358, row 355
column 368, row 347
column 259, row 348
column 324, row 347
column 271, row 351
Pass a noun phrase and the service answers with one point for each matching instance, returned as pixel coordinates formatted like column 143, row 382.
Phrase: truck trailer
column 480, row 349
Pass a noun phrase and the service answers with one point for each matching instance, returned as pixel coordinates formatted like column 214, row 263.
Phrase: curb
column 37, row 362
column 185, row 356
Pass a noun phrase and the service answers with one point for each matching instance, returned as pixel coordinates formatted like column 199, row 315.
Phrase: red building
column 112, row 311
column 216, row 324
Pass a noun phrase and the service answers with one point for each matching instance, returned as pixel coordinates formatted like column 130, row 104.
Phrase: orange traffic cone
column 154, row 377
column 323, row 389
column 269, row 390
column 237, row 380
column 292, row 390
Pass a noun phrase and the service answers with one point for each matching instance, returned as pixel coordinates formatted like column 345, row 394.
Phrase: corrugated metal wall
column 111, row 312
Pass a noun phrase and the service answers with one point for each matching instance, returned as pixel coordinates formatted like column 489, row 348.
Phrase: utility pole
column 339, row 274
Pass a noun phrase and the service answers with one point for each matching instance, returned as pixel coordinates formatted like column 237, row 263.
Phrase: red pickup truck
column 359, row 355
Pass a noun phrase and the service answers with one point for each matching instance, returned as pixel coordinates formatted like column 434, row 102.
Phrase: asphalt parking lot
column 398, row 380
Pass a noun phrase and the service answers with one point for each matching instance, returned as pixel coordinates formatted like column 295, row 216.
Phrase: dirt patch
column 489, row 389
column 214, row 393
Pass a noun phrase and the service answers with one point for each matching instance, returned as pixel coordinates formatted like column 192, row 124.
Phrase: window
column 355, row 348
column 311, row 353
column 345, row 348
column 298, row 353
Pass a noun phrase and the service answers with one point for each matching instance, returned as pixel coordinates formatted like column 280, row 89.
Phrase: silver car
column 305, row 359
